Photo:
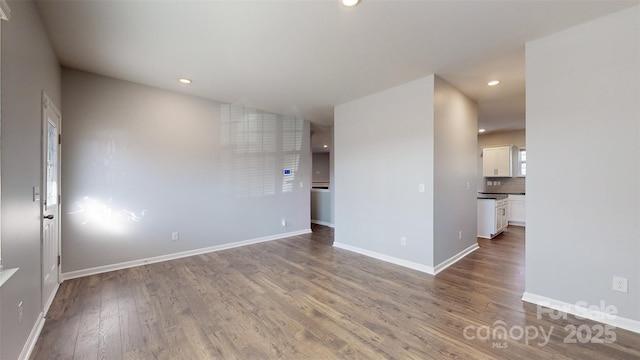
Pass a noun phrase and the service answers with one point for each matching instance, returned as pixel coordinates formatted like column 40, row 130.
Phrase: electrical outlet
column 403, row 241
column 620, row 284
column 175, row 236
column 468, row 186
column 460, row 235
column 20, row 312
column 421, row 187
column 283, row 222
column 489, row 183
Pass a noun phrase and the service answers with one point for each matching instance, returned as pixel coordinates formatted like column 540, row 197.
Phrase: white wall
column 583, row 122
column 455, row 163
column 29, row 66
column 384, row 148
column 332, row 172
column 140, row 163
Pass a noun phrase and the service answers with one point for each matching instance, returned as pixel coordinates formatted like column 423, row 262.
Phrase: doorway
column 50, row 200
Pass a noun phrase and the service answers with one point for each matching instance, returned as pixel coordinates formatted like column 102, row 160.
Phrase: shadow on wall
column 250, row 146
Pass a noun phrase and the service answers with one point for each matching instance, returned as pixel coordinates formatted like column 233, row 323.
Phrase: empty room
column 325, row 179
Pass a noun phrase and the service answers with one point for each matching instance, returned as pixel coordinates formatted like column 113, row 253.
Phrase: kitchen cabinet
column 499, row 161
column 502, row 215
column 517, row 206
column 492, row 217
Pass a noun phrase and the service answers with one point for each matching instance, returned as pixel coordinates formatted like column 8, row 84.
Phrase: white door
column 51, row 122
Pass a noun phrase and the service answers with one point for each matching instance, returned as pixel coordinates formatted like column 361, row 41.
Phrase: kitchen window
column 522, row 162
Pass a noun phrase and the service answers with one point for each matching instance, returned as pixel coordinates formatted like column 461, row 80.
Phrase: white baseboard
column 323, row 223
column 574, row 309
column 455, row 258
column 129, row 264
column 517, row 223
column 47, row 304
column 409, row 264
column 33, row 338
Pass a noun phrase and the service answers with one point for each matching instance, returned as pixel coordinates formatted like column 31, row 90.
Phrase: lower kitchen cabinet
column 517, row 206
column 493, row 217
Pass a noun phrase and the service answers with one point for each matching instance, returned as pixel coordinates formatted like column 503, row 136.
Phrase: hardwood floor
column 323, row 234
column 298, row 298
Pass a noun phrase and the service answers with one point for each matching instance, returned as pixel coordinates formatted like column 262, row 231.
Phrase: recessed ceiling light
column 481, row 130
column 185, row 81
column 493, row 83
column 350, row 2
column 325, row 146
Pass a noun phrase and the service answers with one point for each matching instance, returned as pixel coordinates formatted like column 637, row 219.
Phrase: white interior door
column 51, row 121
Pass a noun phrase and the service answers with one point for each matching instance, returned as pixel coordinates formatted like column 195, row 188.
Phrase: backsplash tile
column 507, row 185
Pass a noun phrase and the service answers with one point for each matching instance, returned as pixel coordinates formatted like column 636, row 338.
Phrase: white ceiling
column 303, row 57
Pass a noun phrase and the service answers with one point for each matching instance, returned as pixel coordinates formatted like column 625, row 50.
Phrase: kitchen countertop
column 492, row 196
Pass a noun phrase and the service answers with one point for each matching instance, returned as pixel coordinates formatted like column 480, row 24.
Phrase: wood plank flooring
column 298, row 298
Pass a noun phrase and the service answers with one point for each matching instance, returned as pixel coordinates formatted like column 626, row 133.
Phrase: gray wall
column 383, row 150
column 321, row 205
column 28, row 67
column 583, row 86
column 386, row 145
column 321, row 168
column 513, row 137
column 140, row 163
column 455, row 144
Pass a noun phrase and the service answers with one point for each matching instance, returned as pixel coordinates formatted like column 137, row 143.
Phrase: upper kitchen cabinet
column 498, row 161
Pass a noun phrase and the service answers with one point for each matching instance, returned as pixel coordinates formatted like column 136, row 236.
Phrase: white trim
column 129, row 264
column 323, row 223
column 50, row 111
column 517, row 223
column 47, row 304
column 5, row 274
column 455, row 258
column 409, row 264
column 574, row 309
column 33, row 338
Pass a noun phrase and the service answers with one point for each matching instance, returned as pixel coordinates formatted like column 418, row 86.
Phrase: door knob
column 50, row 217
